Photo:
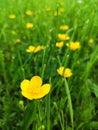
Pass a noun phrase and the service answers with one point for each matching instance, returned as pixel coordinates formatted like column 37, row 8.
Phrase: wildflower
column 38, row 48
column 29, row 25
column 64, row 27
column 63, row 37
column 34, row 49
column 12, row 16
column 17, row 40
column 59, row 44
column 34, row 89
column 28, row 12
column 30, row 49
column 74, row 45
column 61, row 10
column 64, row 72
column 91, row 40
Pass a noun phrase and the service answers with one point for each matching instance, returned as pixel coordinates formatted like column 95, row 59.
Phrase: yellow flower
column 91, row 40
column 64, row 27
column 63, row 37
column 30, row 49
column 61, row 10
column 64, row 72
column 29, row 25
column 74, row 45
column 17, row 40
column 34, row 49
column 34, row 89
column 59, row 44
column 12, row 16
column 28, row 12
column 39, row 48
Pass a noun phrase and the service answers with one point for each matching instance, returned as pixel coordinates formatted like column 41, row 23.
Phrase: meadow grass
column 72, row 101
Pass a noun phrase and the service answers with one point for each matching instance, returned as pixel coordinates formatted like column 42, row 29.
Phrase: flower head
column 34, row 89
column 64, row 72
column 30, row 49
column 91, row 40
column 17, row 40
column 59, row 44
column 29, row 25
column 12, row 16
column 34, row 49
column 39, row 48
column 63, row 37
column 28, row 12
column 74, row 45
column 64, row 27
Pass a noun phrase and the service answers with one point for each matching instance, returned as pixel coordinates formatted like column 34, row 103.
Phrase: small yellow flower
column 64, row 27
column 91, row 40
column 34, row 49
column 17, row 40
column 74, row 45
column 28, row 12
column 29, row 25
column 63, row 37
column 12, row 16
column 61, row 10
column 34, row 89
column 39, row 48
column 30, row 49
column 59, row 44
column 64, row 72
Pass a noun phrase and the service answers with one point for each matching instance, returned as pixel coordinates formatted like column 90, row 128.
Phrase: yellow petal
column 24, row 84
column 45, row 89
column 27, row 95
column 35, row 82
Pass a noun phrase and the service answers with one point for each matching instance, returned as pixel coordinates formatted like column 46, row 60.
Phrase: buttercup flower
column 12, row 16
column 91, row 40
column 74, row 45
column 64, row 72
column 61, row 10
column 64, row 27
column 34, row 89
column 17, row 40
column 30, row 49
column 29, row 25
column 39, row 48
column 34, row 49
column 28, row 12
column 63, row 37
column 59, row 44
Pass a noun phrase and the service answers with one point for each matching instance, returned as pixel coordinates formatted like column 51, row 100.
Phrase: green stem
column 69, row 102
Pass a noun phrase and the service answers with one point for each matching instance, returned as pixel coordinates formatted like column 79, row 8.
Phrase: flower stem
column 69, row 102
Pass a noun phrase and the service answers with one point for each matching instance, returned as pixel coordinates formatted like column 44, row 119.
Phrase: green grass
column 72, row 102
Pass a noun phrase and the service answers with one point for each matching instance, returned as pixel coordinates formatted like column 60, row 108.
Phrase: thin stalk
column 48, row 111
column 69, row 102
